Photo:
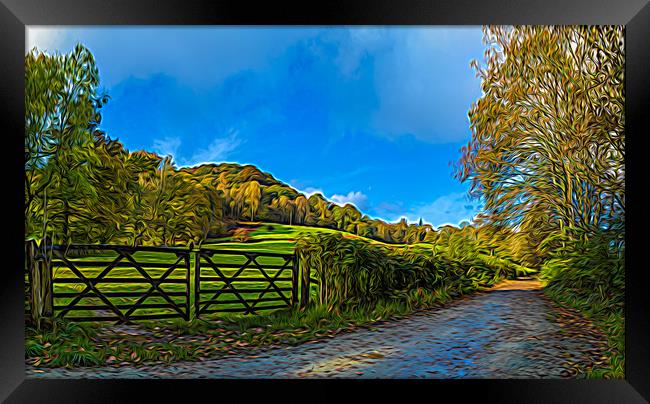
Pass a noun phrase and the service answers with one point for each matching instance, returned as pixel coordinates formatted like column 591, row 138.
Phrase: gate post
column 197, row 283
column 304, row 287
column 295, row 273
column 188, row 284
column 41, row 290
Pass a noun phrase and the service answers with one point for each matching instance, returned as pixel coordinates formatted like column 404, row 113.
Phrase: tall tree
column 547, row 148
column 287, row 206
column 62, row 111
column 253, row 194
column 302, row 208
column 319, row 206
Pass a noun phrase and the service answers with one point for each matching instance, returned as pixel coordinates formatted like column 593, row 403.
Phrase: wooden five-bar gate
column 82, row 282
column 222, row 277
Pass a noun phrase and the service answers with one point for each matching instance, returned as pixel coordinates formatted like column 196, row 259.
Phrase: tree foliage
column 547, row 148
column 82, row 186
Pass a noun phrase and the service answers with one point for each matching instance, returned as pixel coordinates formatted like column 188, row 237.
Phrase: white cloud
column 45, row 38
column 406, row 67
column 309, row 191
column 448, row 209
column 167, row 146
column 358, row 43
column 194, row 55
column 216, row 152
column 357, row 198
column 413, row 93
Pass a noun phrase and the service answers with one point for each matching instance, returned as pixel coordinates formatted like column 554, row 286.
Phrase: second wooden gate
column 244, row 281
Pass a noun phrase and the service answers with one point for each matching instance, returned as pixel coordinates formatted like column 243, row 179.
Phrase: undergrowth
column 591, row 278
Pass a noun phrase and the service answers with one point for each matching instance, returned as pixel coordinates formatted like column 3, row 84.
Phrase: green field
column 286, row 236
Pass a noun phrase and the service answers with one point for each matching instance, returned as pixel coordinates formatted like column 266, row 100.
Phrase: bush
column 590, row 276
column 356, row 273
column 241, row 235
column 591, row 272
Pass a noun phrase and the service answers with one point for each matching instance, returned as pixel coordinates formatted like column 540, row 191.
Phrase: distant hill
column 247, row 193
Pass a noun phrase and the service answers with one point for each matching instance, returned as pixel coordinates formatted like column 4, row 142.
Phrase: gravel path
column 508, row 332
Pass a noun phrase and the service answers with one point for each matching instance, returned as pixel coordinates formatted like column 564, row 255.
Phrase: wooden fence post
column 197, row 283
column 188, row 283
column 295, row 280
column 41, row 293
column 304, row 287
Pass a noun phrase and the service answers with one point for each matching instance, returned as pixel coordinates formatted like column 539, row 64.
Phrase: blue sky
column 367, row 115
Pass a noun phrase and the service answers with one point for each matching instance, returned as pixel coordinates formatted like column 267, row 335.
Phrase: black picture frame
column 634, row 14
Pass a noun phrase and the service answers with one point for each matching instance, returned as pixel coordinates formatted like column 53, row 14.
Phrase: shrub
column 241, row 235
column 356, row 273
column 589, row 275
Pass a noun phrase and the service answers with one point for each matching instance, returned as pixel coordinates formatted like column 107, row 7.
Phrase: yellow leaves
column 543, row 104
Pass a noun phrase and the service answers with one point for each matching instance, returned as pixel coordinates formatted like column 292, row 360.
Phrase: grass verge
column 610, row 322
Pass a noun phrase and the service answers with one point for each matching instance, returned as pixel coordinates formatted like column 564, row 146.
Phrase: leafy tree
column 318, row 205
column 253, row 194
column 302, row 208
column 547, row 149
column 62, row 110
column 286, row 205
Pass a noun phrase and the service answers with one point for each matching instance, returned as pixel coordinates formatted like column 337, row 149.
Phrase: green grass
column 591, row 279
column 68, row 344
column 286, row 236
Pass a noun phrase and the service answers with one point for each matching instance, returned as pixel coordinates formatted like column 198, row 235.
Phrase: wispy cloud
column 357, row 198
column 448, row 209
column 217, row 151
column 167, row 146
column 45, row 38
column 309, row 191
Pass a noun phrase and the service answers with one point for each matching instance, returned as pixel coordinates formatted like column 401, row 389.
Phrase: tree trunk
column 164, row 234
column 66, row 218
column 304, row 287
column 40, row 299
